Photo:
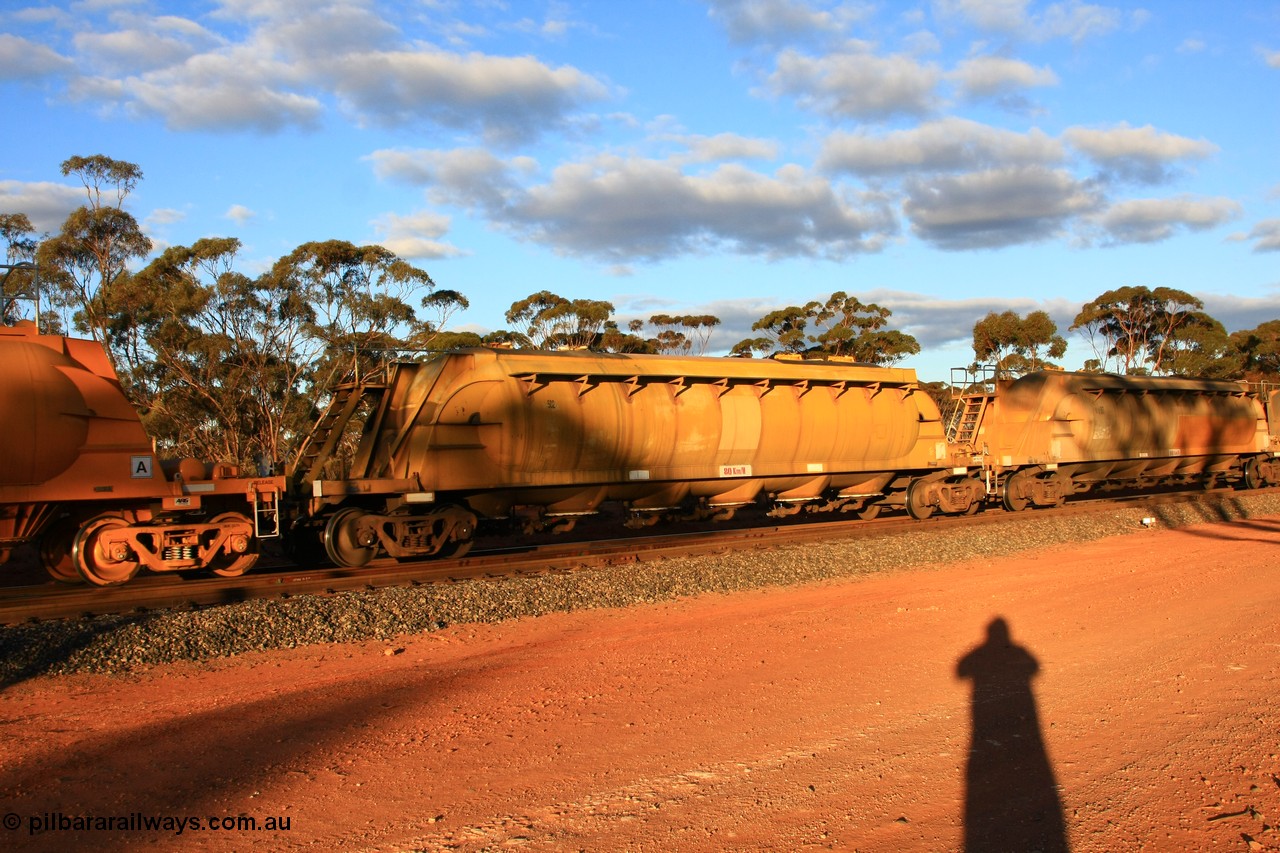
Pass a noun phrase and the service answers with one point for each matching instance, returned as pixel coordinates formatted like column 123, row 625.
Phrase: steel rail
column 51, row 600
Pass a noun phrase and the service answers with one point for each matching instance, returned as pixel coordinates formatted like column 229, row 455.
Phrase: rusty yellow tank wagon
column 550, row 437
column 1049, row 435
column 79, row 477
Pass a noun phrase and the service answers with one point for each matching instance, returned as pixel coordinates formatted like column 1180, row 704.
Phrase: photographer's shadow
column 1011, row 795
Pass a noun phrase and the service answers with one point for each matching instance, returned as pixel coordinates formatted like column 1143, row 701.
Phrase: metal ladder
column 325, row 435
column 968, row 418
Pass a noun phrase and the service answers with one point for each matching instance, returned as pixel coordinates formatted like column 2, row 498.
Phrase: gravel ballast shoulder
column 120, row 644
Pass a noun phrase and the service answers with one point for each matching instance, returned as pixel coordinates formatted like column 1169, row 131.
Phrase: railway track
column 49, row 600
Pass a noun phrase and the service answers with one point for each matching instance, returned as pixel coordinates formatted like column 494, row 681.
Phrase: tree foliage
column 684, row 334
column 219, row 363
column 548, row 321
column 86, row 260
column 1259, row 351
column 843, row 326
column 1017, row 344
column 229, row 367
column 1137, row 328
column 20, row 245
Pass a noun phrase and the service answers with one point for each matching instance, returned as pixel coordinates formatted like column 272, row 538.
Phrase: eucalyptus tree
column 1137, row 328
column 614, row 339
column 1017, row 344
column 20, row 244
column 784, row 330
column 232, row 367
column 842, row 326
column 361, row 302
column 218, row 362
column 1259, row 350
column 851, row 328
column 545, row 320
column 89, row 257
column 1202, row 348
column 687, row 334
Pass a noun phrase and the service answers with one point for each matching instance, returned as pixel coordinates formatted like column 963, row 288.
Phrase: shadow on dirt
column 1182, row 516
column 31, row 650
column 1011, row 795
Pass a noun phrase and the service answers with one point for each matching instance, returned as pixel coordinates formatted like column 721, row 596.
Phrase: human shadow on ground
column 1011, row 795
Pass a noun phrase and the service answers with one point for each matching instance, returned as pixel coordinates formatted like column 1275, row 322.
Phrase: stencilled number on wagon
column 551, row 404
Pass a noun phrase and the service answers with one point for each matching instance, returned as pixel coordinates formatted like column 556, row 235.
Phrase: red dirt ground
column 1130, row 707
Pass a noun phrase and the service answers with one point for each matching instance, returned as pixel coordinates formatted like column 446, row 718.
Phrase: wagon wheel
column 455, row 549
column 233, row 565
column 55, row 552
column 460, row 546
column 1252, row 478
column 340, row 541
column 92, row 560
column 869, row 511
column 1012, row 501
column 916, row 497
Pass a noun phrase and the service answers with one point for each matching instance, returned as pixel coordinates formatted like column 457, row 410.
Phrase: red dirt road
column 1132, row 706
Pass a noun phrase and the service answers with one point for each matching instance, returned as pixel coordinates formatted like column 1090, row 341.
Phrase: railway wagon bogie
column 354, row 536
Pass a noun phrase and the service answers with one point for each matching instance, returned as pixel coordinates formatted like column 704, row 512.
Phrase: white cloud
column 416, row 235
column 21, row 59
column 1151, row 220
column 620, row 210
column 990, row 76
column 165, row 216
column 997, row 15
column 239, row 214
column 468, row 177
column 46, row 204
column 1076, row 21
column 946, row 145
column 286, row 64
column 996, row 207
column 1071, row 19
column 1141, row 154
column 1272, row 58
column 224, row 91
column 728, row 146
column 773, row 21
column 1267, row 235
column 42, row 15
column 144, row 44
column 506, row 98
column 322, row 29
column 857, row 85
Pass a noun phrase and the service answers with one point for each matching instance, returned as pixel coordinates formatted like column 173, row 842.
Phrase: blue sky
column 944, row 158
